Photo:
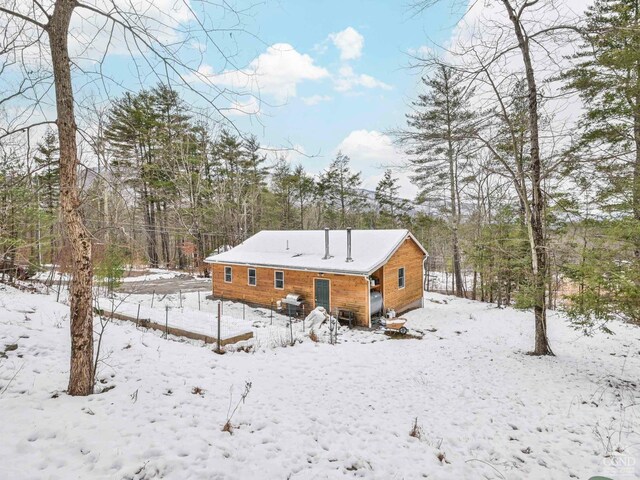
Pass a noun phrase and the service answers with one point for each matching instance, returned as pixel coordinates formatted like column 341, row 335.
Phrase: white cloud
column 350, row 43
column 371, row 152
column 276, row 72
column 370, row 149
column 241, row 108
column 347, row 80
column 423, row 51
column 407, row 189
column 487, row 25
column 90, row 34
column 316, row 99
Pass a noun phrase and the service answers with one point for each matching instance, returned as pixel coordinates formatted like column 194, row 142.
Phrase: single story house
column 365, row 272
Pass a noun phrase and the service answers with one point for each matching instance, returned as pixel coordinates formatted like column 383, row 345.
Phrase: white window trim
column 275, row 279
column 230, row 274
column 255, row 275
column 404, row 278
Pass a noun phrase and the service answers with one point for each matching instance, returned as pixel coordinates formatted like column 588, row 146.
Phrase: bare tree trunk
column 164, row 236
column 636, row 177
column 81, row 375
column 200, row 248
column 457, row 268
column 539, row 254
column 150, row 226
column 455, row 202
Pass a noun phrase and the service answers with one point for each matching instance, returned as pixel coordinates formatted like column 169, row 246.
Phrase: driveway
column 163, row 286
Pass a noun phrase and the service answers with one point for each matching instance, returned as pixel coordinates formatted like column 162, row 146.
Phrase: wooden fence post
column 166, row 321
column 59, row 287
column 291, row 328
column 219, row 321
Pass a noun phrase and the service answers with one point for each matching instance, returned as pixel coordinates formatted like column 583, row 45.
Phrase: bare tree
column 490, row 60
column 48, row 31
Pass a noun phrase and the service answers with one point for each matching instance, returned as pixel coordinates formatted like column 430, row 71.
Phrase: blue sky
column 349, row 82
column 319, row 75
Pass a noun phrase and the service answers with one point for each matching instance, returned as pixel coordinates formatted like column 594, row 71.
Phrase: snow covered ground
column 484, row 408
column 192, row 311
column 169, row 310
column 130, row 275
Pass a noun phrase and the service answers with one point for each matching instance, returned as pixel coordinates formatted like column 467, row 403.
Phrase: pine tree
column 175, row 142
column 48, row 186
column 228, row 153
column 255, row 174
column 282, row 186
column 437, row 141
column 303, row 188
column 132, row 136
column 607, row 77
column 339, row 187
column 390, row 206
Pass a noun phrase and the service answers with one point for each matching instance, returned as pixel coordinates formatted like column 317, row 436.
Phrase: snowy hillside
column 484, row 408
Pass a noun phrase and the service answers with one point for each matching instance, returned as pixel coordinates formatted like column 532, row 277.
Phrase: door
column 322, row 293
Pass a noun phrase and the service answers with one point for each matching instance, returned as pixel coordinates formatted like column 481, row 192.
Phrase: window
column 279, row 280
column 401, row 277
column 252, row 276
column 228, row 277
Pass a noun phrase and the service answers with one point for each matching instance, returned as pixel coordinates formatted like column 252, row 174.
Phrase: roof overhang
column 395, row 249
column 324, row 270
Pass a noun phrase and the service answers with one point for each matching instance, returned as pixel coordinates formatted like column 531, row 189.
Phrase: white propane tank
column 375, row 303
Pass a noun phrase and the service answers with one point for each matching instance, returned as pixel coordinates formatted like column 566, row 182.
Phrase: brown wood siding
column 350, row 292
column 409, row 256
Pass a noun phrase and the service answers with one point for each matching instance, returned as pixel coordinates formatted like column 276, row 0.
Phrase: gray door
column 322, row 293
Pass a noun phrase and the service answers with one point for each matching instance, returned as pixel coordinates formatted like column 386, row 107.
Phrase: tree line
column 169, row 188
column 536, row 208
column 529, row 206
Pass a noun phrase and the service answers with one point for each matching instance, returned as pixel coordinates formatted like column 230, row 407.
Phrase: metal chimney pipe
column 349, row 259
column 326, row 244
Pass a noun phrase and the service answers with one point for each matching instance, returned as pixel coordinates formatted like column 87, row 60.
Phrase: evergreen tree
column 228, row 153
column 282, row 185
column 48, row 187
column 390, row 206
column 132, row 136
column 255, row 174
column 339, row 187
column 438, row 140
column 18, row 213
column 175, row 148
column 607, row 76
column 303, row 188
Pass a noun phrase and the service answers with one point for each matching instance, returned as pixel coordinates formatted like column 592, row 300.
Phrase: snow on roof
column 304, row 250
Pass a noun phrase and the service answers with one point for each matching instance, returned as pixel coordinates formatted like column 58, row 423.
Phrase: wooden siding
column 350, row 292
column 411, row 257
